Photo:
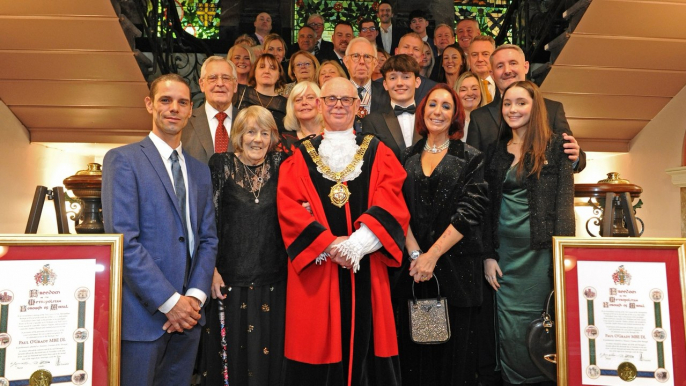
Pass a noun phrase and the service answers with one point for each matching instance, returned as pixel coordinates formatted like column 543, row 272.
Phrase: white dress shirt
column 406, row 121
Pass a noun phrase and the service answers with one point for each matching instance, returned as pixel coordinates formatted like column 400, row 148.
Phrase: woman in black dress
column 264, row 81
column 446, row 195
column 250, row 275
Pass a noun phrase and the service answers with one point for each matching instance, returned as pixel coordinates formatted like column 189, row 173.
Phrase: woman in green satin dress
column 531, row 189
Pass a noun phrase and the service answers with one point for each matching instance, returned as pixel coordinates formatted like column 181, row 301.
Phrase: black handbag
column 540, row 339
column 429, row 320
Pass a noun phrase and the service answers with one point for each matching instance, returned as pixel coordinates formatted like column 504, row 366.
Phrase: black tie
column 316, row 49
column 409, row 109
column 180, row 190
column 360, row 91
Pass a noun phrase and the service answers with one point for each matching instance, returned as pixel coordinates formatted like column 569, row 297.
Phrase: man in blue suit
column 160, row 198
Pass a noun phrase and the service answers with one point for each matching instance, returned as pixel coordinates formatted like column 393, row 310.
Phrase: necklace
column 260, row 100
column 260, row 180
column 339, row 193
column 435, row 150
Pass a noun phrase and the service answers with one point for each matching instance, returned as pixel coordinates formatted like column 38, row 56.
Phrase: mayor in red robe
column 340, row 328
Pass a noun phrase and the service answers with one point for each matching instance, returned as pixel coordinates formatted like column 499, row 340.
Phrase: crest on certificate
column 46, row 276
column 621, row 276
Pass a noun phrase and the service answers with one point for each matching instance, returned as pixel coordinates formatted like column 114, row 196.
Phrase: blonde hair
column 333, row 63
column 253, row 117
column 232, row 50
column 482, row 89
column 290, row 122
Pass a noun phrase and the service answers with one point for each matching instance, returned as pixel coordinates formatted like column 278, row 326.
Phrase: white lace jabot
column 337, row 151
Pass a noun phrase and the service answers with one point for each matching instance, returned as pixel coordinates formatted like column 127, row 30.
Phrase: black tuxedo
column 396, row 34
column 485, row 123
column 254, row 37
column 385, row 126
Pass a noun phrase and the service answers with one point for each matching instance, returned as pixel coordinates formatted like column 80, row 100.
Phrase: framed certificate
column 60, row 305
column 620, row 311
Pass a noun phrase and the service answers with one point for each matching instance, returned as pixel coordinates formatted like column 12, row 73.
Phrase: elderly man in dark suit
column 395, row 126
column 509, row 65
column 360, row 60
column 208, row 128
column 160, row 199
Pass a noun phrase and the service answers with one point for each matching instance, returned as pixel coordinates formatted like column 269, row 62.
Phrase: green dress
column 524, row 286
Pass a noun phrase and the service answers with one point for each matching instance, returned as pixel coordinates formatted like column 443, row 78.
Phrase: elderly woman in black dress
column 250, row 276
column 446, row 195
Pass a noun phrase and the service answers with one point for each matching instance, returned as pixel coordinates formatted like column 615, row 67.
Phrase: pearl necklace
column 435, row 150
column 260, row 181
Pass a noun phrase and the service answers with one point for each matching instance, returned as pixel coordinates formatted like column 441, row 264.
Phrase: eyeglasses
column 332, row 100
column 368, row 29
column 303, row 65
column 212, row 79
column 316, row 25
column 367, row 58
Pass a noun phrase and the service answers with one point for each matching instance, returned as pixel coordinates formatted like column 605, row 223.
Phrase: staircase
column 617, row 66
column 68, row 73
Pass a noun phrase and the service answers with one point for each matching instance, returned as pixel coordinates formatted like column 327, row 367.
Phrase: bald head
column 338, row 117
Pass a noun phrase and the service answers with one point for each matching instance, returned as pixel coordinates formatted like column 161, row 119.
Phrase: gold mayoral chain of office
column 339, row 193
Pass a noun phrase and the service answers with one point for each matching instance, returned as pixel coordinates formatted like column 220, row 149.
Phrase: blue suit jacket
column 139, row 201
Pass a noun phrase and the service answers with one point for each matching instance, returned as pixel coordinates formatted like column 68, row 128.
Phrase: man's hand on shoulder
column 571, row 147
column 183, row 316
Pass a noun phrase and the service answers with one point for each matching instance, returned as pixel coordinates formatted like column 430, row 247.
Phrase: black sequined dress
column 454, row 194
column 252, row 262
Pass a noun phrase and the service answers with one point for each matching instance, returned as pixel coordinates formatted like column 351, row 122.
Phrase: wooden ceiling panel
column 71, row 65
column 629, row 19
column 611, row 129
column 618, row 81
column 87, row 118
column 69, row 134
column 57, row 8
column 63, row 33
column 619, row 52
column 72, row 93
column 610, row 106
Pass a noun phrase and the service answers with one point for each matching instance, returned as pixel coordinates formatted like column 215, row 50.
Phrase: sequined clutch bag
column 429, row 320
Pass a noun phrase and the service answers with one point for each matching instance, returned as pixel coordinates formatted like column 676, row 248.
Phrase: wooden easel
column 57, row 196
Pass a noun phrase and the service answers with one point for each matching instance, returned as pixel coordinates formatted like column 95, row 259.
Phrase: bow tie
column 409, row 109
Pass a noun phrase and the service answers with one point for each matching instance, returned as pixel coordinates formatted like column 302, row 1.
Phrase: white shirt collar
column 163, row 148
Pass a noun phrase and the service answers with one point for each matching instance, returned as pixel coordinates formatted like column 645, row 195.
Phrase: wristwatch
column 415, row 254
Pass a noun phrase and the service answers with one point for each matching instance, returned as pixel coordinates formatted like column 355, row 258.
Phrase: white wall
column 656, row 148
column 23, row 166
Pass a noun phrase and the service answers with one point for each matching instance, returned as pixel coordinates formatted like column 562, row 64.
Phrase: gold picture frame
column 579, row 261
column 101, row 258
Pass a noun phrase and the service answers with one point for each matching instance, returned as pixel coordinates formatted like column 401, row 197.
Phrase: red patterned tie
column 221, row 137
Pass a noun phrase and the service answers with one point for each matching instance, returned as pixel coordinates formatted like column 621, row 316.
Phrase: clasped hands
column 335, row 254
column 183, row 316
column 422, row 269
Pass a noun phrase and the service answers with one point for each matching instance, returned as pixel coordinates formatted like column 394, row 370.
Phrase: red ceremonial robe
column 340, row 328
